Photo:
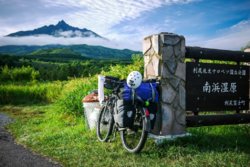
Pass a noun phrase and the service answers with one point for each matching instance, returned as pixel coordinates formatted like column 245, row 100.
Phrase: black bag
column 110, row 82
column 124, row 113
column 153, row 108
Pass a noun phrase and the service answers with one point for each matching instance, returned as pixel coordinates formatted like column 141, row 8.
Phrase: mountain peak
column 61, row 29
column 62, row 22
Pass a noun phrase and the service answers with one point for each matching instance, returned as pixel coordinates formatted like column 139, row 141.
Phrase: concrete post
column 164, row 56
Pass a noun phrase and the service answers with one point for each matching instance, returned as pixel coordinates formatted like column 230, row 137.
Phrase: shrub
column 18, row 74
column 5, row 74
column 73, row 93
column 122, row 71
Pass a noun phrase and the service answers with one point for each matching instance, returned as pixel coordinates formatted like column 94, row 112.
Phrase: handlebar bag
column 110, row 82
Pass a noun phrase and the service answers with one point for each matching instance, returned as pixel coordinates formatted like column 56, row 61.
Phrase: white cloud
column 73, row 34
column 100, row 16
column 233, row 38
column 241, row 25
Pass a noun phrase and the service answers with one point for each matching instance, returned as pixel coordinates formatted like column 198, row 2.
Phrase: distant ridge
column 88, row 51
column 61, row 29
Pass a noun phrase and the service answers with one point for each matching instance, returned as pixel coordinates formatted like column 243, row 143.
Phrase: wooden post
column 164, row 56
column 247, row 50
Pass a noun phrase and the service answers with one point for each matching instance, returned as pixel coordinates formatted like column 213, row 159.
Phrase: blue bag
column 146, row 91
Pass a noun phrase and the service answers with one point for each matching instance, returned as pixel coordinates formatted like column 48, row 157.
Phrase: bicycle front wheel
column 134, row 139
column 105, row 124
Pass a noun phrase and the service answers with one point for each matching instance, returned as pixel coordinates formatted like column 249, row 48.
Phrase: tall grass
column 68, row 95
column 73, row 92
column 30, row 93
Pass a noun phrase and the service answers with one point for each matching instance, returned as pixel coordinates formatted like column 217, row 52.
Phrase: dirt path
column 13, row 155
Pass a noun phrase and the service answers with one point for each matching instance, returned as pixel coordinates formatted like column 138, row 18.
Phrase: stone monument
column 164, row 56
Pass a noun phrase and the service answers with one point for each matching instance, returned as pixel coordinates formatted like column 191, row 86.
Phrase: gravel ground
column 14, row 155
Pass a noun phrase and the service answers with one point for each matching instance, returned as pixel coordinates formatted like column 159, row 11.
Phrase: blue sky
column 223, row 24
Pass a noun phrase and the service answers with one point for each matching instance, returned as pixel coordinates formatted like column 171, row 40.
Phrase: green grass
column 73, row 92
column 29, row 93
column 65, row 138
column 58, row 130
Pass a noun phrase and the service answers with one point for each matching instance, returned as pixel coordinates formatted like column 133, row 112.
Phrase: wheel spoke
column 104, row 124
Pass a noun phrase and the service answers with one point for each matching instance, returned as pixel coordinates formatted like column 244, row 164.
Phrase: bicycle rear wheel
column 105, row 124
column 134, row 139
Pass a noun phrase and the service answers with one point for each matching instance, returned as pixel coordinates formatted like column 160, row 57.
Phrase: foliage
column 96, row 52
column 21, row 49
column 122, row 71
column 53, row 51
column 67, row 94
column 30, row 93
column 73, row 93
column 61, row 67
column 57, row 54
column 10, row 61
column 18, row 74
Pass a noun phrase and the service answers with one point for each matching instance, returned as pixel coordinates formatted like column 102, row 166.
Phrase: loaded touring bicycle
column 130, row 109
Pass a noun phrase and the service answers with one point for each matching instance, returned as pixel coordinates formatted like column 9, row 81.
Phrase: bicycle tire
column 137, row 130
column 103, row 133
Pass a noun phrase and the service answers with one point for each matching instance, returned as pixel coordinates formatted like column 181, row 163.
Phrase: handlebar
column 112, row 78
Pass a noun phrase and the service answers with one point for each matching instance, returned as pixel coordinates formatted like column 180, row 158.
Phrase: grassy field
column 30, row 92
column 49, row 120
column 65, row 138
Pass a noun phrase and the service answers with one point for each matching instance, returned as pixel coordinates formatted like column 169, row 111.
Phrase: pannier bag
column 146, row 91
column 124, row 113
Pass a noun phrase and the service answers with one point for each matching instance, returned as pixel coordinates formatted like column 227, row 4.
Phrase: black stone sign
column 215, row 87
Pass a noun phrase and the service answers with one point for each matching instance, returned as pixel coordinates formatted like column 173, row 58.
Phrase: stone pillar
column 164, row 56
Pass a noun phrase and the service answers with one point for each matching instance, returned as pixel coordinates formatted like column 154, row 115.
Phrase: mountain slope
column 101, row 52
column 95, row 52
column 56, row 54
column 54, row 51
column 23, row 49
column 61, row 29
